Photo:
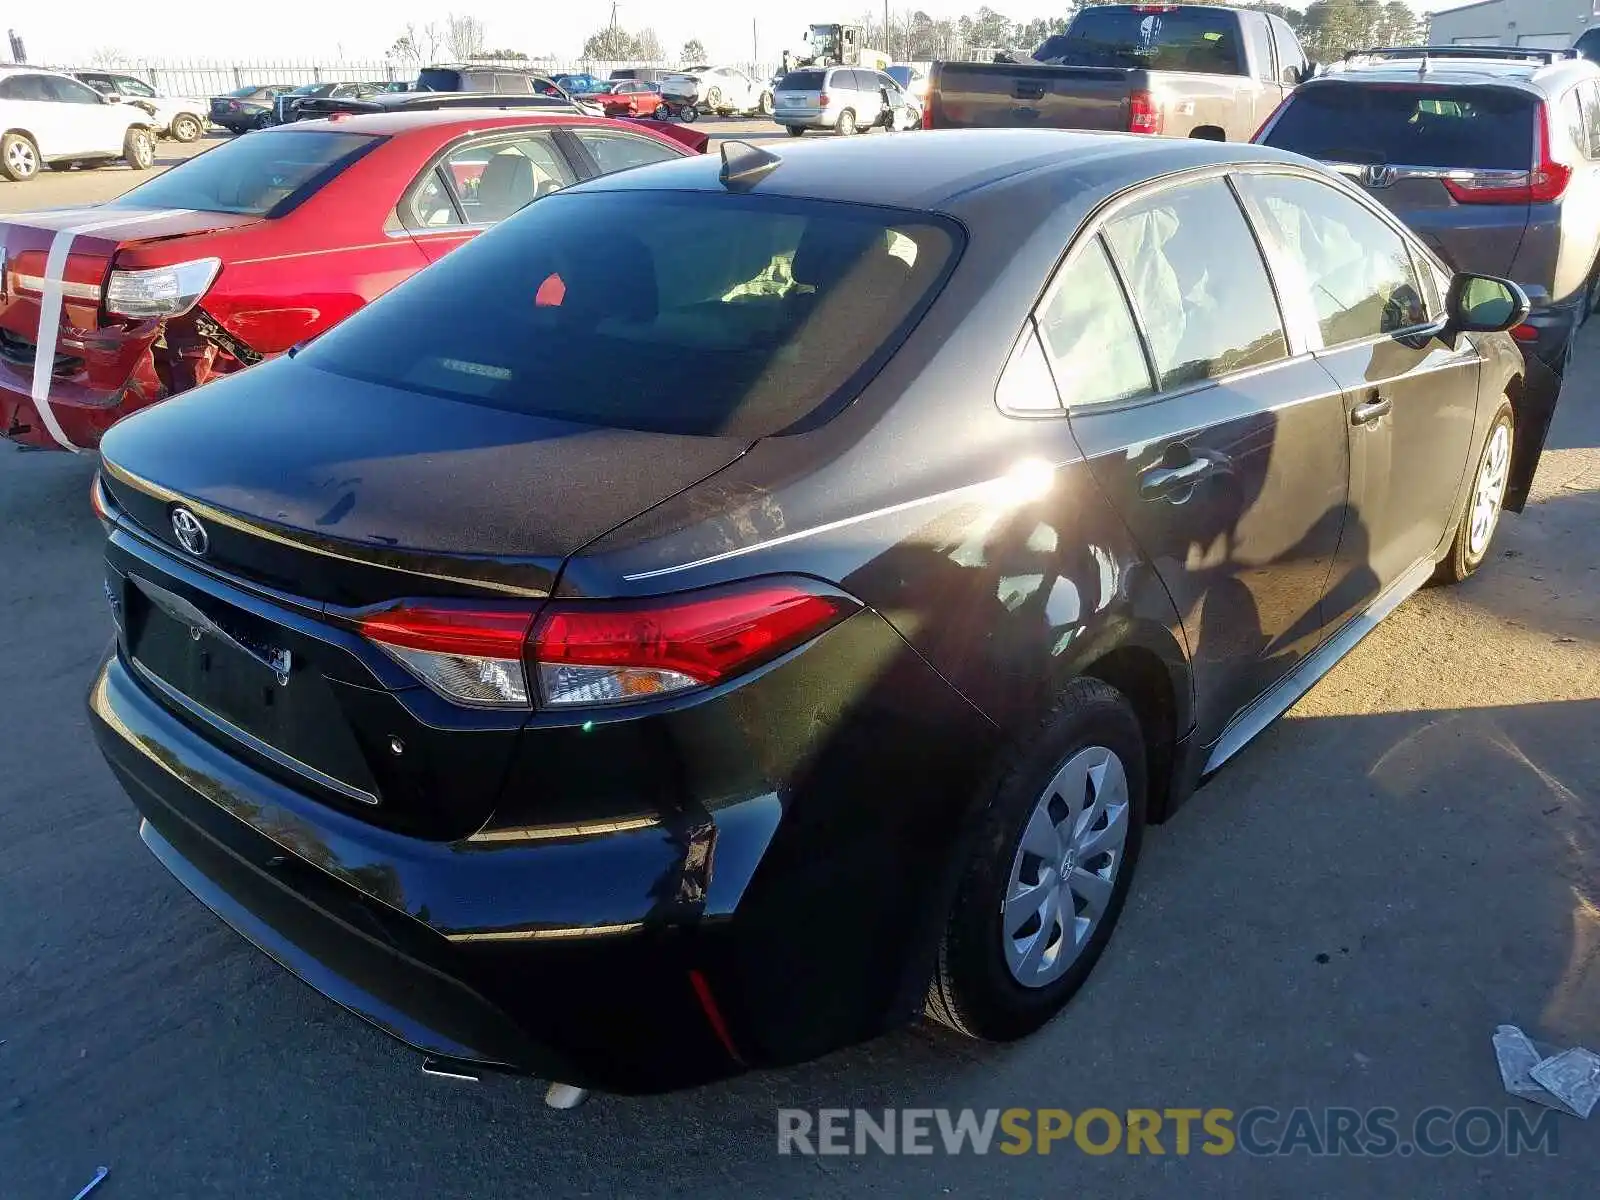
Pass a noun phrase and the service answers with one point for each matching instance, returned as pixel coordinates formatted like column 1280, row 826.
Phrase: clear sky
column 71, row 30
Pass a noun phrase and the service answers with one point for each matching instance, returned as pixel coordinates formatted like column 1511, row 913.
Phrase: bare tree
column 406, row 48
column 432, row 38
column 107, row 57
column 647, row 46
column 694, row 51
column 464, row 36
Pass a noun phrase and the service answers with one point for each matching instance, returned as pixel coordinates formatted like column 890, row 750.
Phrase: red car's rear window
column 260, row 174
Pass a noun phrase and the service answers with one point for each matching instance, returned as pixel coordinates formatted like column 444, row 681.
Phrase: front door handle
column 1371, row 409
column 1161, row 483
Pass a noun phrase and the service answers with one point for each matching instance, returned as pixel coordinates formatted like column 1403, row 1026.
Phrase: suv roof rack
column 1480, row 53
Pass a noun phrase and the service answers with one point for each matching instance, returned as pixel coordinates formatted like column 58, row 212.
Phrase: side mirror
column 110, row 98
column 1484, row 304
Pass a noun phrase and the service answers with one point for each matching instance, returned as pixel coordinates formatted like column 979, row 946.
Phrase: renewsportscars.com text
column 1258, row 1132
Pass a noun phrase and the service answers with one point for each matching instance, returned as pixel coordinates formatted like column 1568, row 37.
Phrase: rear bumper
column 1554, row 326
column 756, row 929
column 84, row 419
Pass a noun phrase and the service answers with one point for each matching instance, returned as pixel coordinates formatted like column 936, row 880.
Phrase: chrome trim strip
column 167, row 495
column 78, row 291
column 1273, row 703
column 249, row 740
column 547, row 934
column 1395, row 172
column 541, row 833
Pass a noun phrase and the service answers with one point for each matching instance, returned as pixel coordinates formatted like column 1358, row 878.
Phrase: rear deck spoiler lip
column 327, row 104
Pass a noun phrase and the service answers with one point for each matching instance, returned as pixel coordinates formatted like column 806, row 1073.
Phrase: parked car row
column 49, row 119
column 736, row 605
column 224, row 260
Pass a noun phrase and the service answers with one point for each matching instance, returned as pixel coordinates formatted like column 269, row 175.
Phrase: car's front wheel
column 1049, row 870
column 1480, row 515
column 764, row 105
column 19, row 157
column 139, row 149
column 186, row 128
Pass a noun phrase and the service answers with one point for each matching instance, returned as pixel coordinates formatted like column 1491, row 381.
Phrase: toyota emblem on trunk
column 190, row 533
column 1377, row 176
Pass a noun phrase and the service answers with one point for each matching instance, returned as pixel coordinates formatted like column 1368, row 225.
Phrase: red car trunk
column 52, row 304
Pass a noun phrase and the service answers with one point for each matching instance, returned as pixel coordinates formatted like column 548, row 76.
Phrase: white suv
column 182, row 118
column 51, row 119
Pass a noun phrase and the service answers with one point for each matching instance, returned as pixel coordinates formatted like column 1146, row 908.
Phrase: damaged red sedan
column 252, row 248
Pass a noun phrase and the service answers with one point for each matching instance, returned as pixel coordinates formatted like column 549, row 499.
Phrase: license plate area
column 238, row 676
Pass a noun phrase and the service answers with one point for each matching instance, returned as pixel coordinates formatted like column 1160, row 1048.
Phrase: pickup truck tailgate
column 981, row 95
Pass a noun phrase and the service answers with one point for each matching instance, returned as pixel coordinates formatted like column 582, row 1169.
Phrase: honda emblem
column 1377, row 176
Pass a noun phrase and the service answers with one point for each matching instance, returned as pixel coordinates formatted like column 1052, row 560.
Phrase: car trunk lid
column 351, row 493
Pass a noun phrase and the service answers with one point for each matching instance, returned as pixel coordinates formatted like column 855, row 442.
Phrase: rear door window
column 1465, row 128
column 614, row 151
column 770, row 311
column 495, row 179
column 1200, row 39
column 1199, row 285
column 1089, row 334
column 258, row 175
column 440, row 79
column 1255, row 31
column 1356, row 270
column 70, row 91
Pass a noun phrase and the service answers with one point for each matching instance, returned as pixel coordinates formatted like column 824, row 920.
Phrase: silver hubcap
column 1066, row 867
column 142, row 151
column 1490, row 491
column 19, row 157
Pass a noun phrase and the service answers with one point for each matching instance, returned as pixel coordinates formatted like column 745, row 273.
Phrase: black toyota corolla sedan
column 735, row 606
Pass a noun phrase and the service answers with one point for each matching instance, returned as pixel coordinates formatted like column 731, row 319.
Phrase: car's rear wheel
column 19, row 157
column 186, row 128
column 1049, row 870
column 847, row 123
column 139, row 149
column 1480, row 515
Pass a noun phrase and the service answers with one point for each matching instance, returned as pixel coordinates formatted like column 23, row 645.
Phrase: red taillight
column 927, row 112
column 233, row 105
column 601, row 653
column 1525, row 333
column 474, row 655
column 1546, row 182
column 1143, row 115
column 822, row 99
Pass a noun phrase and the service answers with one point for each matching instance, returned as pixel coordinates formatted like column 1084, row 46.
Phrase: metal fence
column 177, row 77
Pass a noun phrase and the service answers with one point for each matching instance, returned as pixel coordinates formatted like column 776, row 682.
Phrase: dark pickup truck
column 1175, row 69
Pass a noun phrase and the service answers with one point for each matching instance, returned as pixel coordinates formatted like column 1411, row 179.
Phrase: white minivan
column 50, row 119
column 842, row 99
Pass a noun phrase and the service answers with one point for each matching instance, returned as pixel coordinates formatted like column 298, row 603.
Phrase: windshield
column 312, row 89
column 823, row 42
column 254, row 175
column 676, row 312
column 1421, row 127
column 1204, row 40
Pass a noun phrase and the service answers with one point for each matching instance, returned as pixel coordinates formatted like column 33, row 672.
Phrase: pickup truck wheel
column 185, row 128
column 139, row 149
column 19, row 157
column 847, row 123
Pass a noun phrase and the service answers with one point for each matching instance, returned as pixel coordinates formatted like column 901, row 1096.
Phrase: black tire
column 974, row 991
column 19, row 157
column 139, row 149
column 1462, row 559
column 187, row 128
column 764, row 105
column 795, row 130
column 847, row 123
column 688, row 114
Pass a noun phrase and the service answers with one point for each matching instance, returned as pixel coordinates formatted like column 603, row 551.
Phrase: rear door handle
column 1371, row 409
column 1161, row 483
column 1027, row 91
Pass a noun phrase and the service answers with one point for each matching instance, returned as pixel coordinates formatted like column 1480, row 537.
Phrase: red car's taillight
column 1143, row 114
column 601, row 652
column 1547, row 180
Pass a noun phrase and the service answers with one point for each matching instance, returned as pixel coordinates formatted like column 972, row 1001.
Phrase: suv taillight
column 571, row 654
column 1546, row 182
column 1143, row 115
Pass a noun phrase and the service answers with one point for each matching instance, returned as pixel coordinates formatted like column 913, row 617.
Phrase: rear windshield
column 254, row 175
column 802, row 81
column 676, row 312
column 245, row 91
column 433, row 79
column 1203, row 40
column 1483, row 128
